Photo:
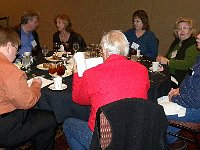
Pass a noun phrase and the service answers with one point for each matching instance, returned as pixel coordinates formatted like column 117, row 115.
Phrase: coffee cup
column 58, row 83
column 138, row 53
column 155, row 66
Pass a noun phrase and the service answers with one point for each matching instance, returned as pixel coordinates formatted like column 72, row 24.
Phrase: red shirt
column 117, row 78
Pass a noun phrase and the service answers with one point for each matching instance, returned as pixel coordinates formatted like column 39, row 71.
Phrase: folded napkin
column 45, row 82
column 171, row 108
column 84, row 64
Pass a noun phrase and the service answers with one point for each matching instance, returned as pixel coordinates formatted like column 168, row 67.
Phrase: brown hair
column 66, row 20
column 8, row 35
column 144, row 18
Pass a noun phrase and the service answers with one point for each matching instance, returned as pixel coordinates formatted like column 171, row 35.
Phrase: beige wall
column 91, row 18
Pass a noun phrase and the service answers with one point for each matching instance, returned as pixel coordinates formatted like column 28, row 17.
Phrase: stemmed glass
column 45, row 50
column 26, row 62
column 56, row 46
column 75, row 47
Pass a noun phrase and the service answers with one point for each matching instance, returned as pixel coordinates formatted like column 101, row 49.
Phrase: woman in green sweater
column 183, row 51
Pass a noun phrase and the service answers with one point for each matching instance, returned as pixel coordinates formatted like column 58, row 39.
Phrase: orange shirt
column 14, row 90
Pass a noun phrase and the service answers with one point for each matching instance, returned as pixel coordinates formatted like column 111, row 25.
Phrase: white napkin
column 92, row 62
column 84, row 64
column 79, row 58
column 45, row 82
column 171, row 108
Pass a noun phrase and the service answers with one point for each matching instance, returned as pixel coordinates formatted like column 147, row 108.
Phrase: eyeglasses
column 16, row 47
column 183, row 28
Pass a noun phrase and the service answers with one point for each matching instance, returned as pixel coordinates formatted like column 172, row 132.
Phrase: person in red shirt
column 117, row 78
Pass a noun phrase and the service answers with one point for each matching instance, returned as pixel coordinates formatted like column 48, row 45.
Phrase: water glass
column 45, row 50
column 75, row 47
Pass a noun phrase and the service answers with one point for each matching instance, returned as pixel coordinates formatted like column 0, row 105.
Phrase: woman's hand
column 173, row 92
column 162, row 60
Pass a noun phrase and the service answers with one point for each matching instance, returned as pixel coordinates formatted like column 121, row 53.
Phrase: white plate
column 40, row 66
column 64, row 86
column 67, row 73
column 51, row 59
column 160, row 68
column 59, row 54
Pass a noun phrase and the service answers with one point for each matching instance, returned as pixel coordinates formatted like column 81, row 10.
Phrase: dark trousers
column 21, row 126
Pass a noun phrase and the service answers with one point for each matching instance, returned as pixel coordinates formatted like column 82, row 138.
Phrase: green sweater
column 186, row 56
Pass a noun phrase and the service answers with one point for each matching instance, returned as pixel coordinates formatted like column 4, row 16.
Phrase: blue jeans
column 77, row 133
column 192, row 115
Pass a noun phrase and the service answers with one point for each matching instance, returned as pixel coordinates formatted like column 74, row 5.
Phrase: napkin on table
column 45, row 82
column 171, row 108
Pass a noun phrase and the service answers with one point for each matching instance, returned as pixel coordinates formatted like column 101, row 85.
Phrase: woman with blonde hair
column 183, row 51
column 65, row 35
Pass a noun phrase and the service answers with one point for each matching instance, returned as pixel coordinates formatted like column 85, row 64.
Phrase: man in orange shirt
column 18, row 122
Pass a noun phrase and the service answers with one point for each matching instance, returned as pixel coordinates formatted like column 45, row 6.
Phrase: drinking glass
column 75, row 47
column 56, row 46
column 45, row 50
column 60, row 69
column 52, row 68
column 26, row 62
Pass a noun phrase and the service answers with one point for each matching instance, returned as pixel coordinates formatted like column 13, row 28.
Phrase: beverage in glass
column 52, row 68
column 60, row 69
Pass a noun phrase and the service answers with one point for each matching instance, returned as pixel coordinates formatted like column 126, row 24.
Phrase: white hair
column 115, row 42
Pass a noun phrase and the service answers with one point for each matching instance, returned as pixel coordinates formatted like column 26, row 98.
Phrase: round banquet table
column 61, row 103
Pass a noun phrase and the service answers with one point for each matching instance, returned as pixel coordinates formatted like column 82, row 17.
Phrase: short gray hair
column 115, row 42
column 28, row 15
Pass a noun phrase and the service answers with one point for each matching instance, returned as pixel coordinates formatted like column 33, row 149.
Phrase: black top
column 74, row 37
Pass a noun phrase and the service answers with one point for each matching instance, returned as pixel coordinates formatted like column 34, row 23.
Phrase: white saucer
column 67, row 73
column 40, row 66
column 64, row 86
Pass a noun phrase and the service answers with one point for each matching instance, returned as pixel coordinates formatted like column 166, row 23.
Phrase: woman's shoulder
column 56, row 33
column 150, row 33
column 129, row 31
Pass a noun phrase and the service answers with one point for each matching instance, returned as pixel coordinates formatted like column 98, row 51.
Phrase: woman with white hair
column 117, row 78
column 183, row 52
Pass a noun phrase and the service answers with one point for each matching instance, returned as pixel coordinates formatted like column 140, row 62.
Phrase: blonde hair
column 189, row 21
column 66, row 20
column 115, row 42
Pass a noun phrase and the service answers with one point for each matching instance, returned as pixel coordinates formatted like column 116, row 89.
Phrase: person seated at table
column 183, row 51
column 27, row 32
column 140, row 34
column 18, row 122
column 117, row 78
column 188, row 96
column 65, row 35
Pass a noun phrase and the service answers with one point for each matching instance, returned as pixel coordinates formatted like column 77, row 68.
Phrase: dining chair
column 130, row 124
column 4, row 21
column 189, row 127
